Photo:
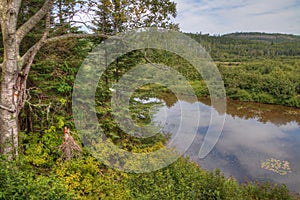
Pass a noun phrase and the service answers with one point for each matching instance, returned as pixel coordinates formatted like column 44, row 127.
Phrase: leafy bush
column 88, row 179
column 183, row 180
column 294, row 101
column 42, row 149
column 241, row 95
column 19, row 183
column 264, row 98
column 266, row 191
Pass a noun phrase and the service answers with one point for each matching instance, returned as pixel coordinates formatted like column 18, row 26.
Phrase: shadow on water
column 258, row 141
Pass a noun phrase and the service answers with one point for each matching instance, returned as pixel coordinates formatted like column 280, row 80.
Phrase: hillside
column 266, row 37
column 237, row 47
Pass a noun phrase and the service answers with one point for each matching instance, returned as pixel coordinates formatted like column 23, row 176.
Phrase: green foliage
column 88, row 179
column 241, row 95
column 266, row 191
column 120, row 15
column 185, row 180
column 294, row 101
column 264, row 98
column 252, row 71
column 63, row 87
column 200, row 88
column 42, row 149
column 264, row 81
column 243, row 47
column 20, row 182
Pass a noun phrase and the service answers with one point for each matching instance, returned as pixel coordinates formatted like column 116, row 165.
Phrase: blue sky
column 228, row 16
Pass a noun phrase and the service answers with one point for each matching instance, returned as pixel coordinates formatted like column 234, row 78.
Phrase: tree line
column 41, row 50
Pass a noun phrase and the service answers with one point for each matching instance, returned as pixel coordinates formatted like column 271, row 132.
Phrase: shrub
column 87, row 180
column 241, row 95
column 264, row 98
column 19, row 183
column 294, row 101
column 42, row 149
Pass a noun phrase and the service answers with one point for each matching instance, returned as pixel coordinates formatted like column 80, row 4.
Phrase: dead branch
column 69, row 147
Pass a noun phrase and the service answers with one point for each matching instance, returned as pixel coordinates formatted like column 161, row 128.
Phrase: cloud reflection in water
column 252, row 133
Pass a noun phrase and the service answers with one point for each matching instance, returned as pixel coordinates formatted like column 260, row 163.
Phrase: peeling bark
column 9, row 96
column 15, row 69
column 13, row 83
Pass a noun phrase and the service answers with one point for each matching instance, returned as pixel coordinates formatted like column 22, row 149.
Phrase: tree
column 15, row 68
column 57, row 17
column 114, row 16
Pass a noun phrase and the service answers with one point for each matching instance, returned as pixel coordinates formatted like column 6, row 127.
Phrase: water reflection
column 253, row 134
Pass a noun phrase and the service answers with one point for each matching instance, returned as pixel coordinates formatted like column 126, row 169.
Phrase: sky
column 218, row 17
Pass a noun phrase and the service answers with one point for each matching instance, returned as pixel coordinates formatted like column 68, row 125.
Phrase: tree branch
column 151, row 63
column 80, row 22
column 38, row 45
column 29, row 56
column 8, row 109
column 27, row 26
column 76, row 35
column 22, row 79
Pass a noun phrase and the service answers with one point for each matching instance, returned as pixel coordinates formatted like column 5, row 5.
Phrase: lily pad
column 281, row 167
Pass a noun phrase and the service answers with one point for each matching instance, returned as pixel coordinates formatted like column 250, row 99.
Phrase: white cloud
column 226, row 16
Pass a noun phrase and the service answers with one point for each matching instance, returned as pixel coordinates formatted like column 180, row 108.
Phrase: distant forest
column 241, row 46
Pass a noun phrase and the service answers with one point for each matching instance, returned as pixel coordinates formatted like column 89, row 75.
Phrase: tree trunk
column 8, row 117
column 15, row 69
column 9, row 94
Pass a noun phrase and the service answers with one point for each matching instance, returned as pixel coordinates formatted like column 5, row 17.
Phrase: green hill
column 267, row 37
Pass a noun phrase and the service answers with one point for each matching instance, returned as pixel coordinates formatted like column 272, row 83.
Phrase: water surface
column 258, row 141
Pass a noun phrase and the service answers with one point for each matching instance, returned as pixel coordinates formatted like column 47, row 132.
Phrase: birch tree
column 16, row 67
column 57, row 16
